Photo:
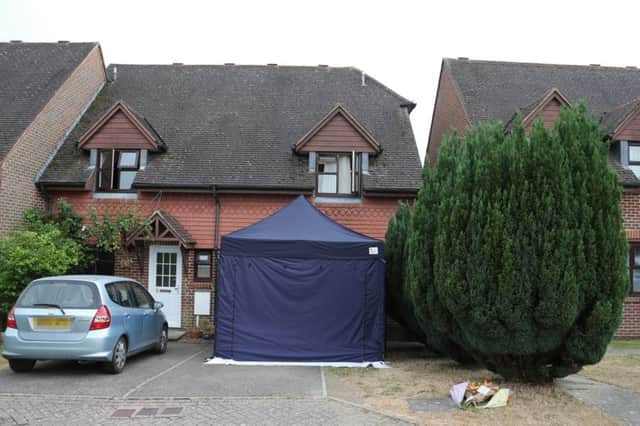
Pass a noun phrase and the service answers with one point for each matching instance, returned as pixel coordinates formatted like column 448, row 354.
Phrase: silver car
column 83, row 317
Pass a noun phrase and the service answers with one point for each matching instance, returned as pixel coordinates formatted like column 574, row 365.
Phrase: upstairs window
column 117, row 169
column 338, row 174
column 634, row 158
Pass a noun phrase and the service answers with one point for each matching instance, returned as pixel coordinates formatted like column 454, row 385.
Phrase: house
column 202, row 151
column 470, row 91
column 44, row 87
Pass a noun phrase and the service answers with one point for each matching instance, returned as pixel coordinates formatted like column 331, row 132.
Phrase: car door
column 133, row 317
column 144, row 304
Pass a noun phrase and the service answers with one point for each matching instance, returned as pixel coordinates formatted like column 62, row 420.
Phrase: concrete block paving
column 175, row 388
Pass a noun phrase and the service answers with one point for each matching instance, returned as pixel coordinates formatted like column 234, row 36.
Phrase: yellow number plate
column 55, row 323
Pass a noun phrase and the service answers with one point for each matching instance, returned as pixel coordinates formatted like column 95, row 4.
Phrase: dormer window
column 634, row 157
column 117, row 169
column 338, row 174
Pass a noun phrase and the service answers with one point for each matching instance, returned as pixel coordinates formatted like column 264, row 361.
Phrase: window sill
column 115, row 195
column 337, row 200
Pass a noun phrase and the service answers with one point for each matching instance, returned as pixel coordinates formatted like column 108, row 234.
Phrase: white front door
column 165, row 280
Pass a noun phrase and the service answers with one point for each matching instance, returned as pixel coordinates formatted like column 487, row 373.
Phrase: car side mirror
column 158, row 305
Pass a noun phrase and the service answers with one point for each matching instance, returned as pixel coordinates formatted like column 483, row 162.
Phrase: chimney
column 272, row 65
column 178, row 63
column 463, row 58
column 115, row 73
column 364, row 76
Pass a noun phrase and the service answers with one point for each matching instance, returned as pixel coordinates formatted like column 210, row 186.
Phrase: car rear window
column 66, row 294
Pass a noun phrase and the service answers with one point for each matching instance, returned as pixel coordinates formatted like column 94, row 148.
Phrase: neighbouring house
column 44, row 88
column 471, row 91
column 202, row 151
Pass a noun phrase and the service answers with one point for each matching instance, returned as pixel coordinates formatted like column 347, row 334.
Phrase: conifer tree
column 517, row 255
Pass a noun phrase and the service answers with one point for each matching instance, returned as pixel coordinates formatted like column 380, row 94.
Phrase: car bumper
column 96, row 346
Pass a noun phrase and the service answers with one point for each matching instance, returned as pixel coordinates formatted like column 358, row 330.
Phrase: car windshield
column 64, row 294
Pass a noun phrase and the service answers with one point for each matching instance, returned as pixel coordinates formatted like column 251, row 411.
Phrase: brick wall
column 448, row 113
column 369, row 217
column 134, row 263
column 196, row 212
column 19, row 168
column 630, row 326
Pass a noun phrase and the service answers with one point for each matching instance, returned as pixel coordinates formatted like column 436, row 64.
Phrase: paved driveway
column 176, row 387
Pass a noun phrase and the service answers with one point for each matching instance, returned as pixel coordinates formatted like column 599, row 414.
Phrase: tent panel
column 283, row 309
column 302, row 249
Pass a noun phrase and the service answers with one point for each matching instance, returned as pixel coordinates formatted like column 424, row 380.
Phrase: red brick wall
column 134, row 263
column 19, row 168
column 630, row 327
column 448, row 113
column 369, row 217
column 196, row 212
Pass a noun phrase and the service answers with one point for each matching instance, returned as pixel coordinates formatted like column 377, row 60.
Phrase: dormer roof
column 121, row 127
column 338, row 131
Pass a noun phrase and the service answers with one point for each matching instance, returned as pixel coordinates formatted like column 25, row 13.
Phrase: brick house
column 470, row 91
column 44, row 87
column 205, row 150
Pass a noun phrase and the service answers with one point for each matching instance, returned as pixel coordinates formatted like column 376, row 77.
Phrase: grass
column 417, row 374
column 625, row 344
column 619, row 370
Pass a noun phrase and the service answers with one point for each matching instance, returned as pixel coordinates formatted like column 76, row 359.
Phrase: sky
column 400, row 43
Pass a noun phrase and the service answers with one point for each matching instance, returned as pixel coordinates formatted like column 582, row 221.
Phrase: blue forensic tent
column 298, row 287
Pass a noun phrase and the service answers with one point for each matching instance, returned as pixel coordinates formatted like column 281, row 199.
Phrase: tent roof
column 300, row 230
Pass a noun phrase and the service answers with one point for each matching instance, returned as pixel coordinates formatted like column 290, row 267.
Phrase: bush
column 26, row 255
column 517, row 255
column 399, row 304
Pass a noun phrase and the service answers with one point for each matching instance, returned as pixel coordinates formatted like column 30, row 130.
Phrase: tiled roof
column 497, row 90
column 30, row 74
column 235, row 126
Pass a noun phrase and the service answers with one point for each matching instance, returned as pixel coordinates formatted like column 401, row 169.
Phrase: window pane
column 173, row 270
column 203, row 258
column 327, row 164
column 636, row 255
column 174, row 257
column 105, row 171
column 126, row 180
column 173, row 282
column 344, row 174
column 128, row 159
column 327, row 184
column 203, row 271
column 635, row 170
column 636, row 280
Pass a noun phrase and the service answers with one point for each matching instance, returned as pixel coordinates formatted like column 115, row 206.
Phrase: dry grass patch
column 417, row 374
column 619, row 370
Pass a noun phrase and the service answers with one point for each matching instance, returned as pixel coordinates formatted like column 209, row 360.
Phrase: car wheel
column 118, row 358
column 22, row 365
column 161, row 346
